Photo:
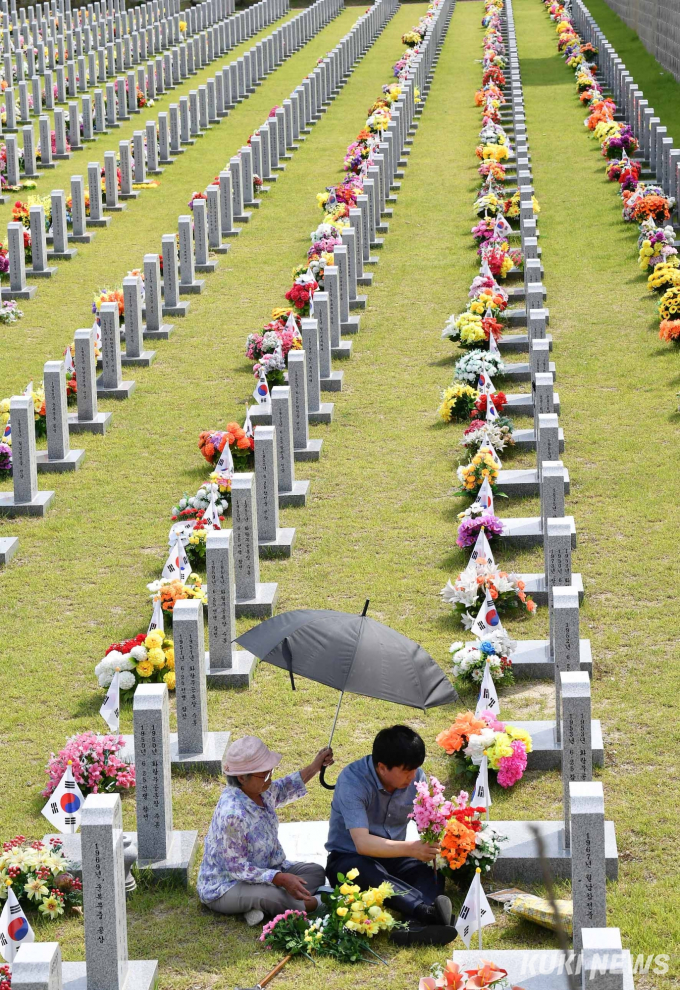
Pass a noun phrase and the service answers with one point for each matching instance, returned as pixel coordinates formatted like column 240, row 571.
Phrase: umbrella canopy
column 351, row 653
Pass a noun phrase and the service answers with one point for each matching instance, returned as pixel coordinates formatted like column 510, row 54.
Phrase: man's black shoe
column 438, row 913
column 417, row 934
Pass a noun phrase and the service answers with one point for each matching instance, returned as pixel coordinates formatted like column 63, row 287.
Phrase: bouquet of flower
column 6, row 457
column 148, row 658
column 38, row 875
column 468, row 842
column 487, row 976
column 191, row 508
column 5, row 977
column 480, row 433
column 466, row 328
column 481, row 467
column 669, row 306
column 656, row 246
column 9, row 311
column 624, row 171
column 474, row 519
column 647, row 202
column 431, row 810
column 499, row 399
column 211, row 443
column 664, row 276
column 300, row 294
column 494, row 169
column 614, row 144
column 470, row 738
column 470, row 661
column 468, row 592
column 458, row 401
column 94, row 763
column 171, row 590
column 670, row 331
column 469, row 367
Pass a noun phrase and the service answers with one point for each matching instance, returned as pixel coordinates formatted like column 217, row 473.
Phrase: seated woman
column 244, row 869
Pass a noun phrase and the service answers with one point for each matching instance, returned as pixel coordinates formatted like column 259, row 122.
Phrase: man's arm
column 374, row 845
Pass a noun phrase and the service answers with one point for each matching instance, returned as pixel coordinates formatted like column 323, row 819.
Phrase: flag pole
column 479, row 907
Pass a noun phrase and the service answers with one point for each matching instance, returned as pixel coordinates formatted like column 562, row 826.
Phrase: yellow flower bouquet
column 481, row 467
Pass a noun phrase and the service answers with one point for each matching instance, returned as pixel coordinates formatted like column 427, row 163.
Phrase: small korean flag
column 225, row 465
column 261, row 393
column 488, row 620
column 488, row 699
column 15, row 930
column 491, row 411
column 211, row 514
column 64, row 806
column 481, row 796
column 484, row 498
column 248, row 425
column 486, row 442
column 68, row 360
column 110, row 709
column 177, row 565
column 28, row 389
column 484, row 384
column 482, row 550
column 485, row 270
column 475, row 913
column 157, row 618
column 290, row 323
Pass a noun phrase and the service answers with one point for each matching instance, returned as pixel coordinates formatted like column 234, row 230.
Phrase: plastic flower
column 51, row 906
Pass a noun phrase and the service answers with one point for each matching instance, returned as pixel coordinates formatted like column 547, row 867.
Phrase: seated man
column 367, row 830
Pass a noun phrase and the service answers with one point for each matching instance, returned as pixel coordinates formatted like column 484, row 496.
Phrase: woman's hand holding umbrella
column 324, row 758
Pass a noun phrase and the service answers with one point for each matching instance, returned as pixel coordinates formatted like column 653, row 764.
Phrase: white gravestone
column 225, row 666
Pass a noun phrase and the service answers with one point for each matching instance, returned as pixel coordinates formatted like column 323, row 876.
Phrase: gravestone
column 172, row 305
column 134, row 327
column 347, row 324
column 39, row 267
column 58, row 457
column 94, row 184
column 167, row 853
column 339, row 348
column 38, row 966
column 25, row 499
column 153, row 167
column 106, row 966
column 253, row 598
column 154, row 329
column 304, row 448
column 18, row 288
column 139, row 172
column 60, row 250
column 203, row 263
column 188, row 283
column 577, row 751
column 272, row 540
column 88, row 419
column 30, row 166
column 8, row 547
column 79, row 233
column 588, row 875
column 214, row 218
column 111, row 184
column 225, row 666
column 110, row 384
column 291, row 492
column 227, row 205
column 240, row 214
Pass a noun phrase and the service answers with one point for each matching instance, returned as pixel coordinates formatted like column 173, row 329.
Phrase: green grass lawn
column 380, row 523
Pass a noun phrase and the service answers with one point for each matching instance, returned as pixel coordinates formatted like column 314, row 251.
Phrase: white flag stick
column 488, row 697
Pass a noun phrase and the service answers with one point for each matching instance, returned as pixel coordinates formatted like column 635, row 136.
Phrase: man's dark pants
column 416, row 883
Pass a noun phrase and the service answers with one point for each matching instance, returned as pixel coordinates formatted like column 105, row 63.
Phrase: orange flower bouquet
column 211, row 443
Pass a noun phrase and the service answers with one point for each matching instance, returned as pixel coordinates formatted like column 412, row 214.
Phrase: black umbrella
column 352, row 653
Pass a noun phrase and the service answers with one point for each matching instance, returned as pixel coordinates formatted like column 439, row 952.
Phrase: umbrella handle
column 322, row 780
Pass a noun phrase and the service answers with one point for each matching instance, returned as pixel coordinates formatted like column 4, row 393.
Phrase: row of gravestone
column 582, row 846
column 98, row 852
column 225, row 202
column 655, row 146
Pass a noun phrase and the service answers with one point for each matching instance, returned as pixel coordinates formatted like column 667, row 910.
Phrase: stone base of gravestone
column 8, row 547
column 37, row 507
column 176, row 866
column 526, row 439
column 155, row 171
column 377, row 243
column 282, row 546
column 261, row 606
column 255, row 204
column 239, row 675
column 181, row 309
column 352, row 325
column 118, row 208
column 532, row 660
column 71, row 462
column 522, row 404
column 222, row 249
column 365, row 279
column 312, row 452
column 236, row 231
column 380, row 228
column 45, row 273
column 82, row 238
column 96, row 425
column 324, row 414
column 142, row 974
column 194, row 288
column 333, row 383
column 523, row 482
column 359, row 302
column 66, row 255
column 535, row 585
column 533, row 969
column 519, row 860
column 527, row 531
column 145, row 359
column 521, row 372
column 297, row 498
column 516, row 317
column 26, row 293
column 209, row 761
column 134, row 194
column 43, row 165
column 242, row 217
column 99, row 222
column 163, row 332
column 122, row 391
column 343, row 350
column 210, row 266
